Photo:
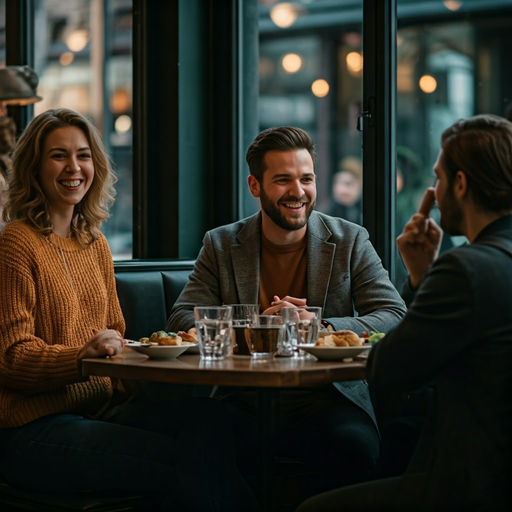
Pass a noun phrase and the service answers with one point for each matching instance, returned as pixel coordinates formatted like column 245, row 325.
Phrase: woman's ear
column 254, row 185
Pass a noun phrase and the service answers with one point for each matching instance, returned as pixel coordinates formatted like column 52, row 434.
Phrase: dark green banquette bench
column 147, row 291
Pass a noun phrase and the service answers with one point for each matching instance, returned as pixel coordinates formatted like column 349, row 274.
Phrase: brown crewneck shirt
column 283, row 271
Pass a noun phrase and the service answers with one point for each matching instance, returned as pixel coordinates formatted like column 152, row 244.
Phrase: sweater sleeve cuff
column 67, row 369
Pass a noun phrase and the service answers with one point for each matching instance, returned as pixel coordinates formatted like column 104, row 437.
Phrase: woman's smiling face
column 67, row 168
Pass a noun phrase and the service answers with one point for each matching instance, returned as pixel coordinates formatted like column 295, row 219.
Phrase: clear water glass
column 302, row 325
column 214, row 326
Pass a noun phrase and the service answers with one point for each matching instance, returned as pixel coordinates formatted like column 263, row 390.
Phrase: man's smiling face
column 288, row 189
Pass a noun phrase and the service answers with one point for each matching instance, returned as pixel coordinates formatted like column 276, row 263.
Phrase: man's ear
column 460, row 185
column 254, row 185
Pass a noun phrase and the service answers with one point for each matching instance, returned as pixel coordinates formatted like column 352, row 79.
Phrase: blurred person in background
column 347, row 186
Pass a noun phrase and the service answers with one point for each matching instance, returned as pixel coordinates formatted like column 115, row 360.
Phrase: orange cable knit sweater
column 54, row 294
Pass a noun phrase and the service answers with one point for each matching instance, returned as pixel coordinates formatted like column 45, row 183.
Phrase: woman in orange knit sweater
column 59, row 430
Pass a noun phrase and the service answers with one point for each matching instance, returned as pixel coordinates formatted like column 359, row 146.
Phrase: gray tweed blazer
column 345, row 277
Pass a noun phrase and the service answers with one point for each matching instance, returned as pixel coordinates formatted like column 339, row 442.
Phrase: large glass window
column 452, row 62
column 83, row 59
column 310, row 72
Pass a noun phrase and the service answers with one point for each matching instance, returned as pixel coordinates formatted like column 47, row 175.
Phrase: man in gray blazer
column 289, row 255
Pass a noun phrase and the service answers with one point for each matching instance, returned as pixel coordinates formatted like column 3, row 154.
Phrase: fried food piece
column 169, row 340
column 188, row 336
column 349, row 337
column 345, row 338
column 325, row 341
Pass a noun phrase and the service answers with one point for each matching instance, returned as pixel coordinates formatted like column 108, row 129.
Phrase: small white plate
column 158, row 351
column 334, row 353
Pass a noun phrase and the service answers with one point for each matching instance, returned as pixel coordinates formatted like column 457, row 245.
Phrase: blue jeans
column 180, row 450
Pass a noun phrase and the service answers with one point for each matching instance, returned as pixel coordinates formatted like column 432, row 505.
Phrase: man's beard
column 281, row 220
column 452, row 216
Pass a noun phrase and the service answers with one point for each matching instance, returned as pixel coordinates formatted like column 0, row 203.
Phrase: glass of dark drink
column 265, row 336
column 243, row 316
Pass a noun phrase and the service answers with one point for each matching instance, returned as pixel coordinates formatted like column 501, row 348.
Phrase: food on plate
column 162, row 338
column 326, row 341
column 345, row 338
column 190, row 335
column 375, row 337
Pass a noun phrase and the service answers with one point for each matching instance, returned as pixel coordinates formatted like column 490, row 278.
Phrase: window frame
column 229, row 96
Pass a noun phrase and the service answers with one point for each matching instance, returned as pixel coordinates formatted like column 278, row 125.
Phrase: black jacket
column 458, row 335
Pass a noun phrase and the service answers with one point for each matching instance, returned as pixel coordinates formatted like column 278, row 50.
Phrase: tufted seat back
column 147, row 295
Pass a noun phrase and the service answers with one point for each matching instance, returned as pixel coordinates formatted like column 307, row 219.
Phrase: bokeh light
column 123, row 124
column 354, row 62
column 320, row 88
column 428, row 84
column 291, row 62
column 77, row 40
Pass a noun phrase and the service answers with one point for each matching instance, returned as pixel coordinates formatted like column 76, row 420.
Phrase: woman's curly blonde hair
column 26, row 199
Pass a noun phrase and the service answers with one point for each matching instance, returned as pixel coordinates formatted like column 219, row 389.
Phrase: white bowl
column 158, row 351
column 334, row 353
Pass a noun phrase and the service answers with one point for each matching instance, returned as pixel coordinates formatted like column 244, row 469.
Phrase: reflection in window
column 83, row 58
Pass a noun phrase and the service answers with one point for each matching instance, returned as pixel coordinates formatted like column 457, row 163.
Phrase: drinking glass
column 214, row 326
column 265, row 335
column 243, row 316
column 302, row 325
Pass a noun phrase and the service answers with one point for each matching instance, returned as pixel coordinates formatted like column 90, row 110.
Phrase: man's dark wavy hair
column 283, row 138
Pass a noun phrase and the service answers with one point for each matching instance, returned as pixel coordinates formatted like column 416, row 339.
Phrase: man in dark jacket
column 457, row 336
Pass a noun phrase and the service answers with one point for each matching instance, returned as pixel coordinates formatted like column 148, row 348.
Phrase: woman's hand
column 104, row 343
column 287, row 302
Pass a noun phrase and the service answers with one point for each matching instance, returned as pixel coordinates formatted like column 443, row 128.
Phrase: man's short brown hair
column 283, row 138
column 481, row 147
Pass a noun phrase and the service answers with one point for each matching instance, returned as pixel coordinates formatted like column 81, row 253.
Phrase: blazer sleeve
column 203, row 288
column 440, row 323
column 376, row 302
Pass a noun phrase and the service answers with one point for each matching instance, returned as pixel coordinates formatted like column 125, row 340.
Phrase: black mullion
column 19, row 48
column 156, row 130
column 379, row 106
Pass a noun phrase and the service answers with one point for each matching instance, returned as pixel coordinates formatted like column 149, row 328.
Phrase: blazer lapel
column 320, row 260
column 245, row 257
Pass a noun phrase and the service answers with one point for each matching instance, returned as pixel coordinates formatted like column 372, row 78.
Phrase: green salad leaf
column 375, row 336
